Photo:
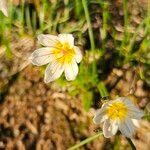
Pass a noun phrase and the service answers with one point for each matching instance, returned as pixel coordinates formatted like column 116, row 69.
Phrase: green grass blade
column 85, row 141
column 102, row 89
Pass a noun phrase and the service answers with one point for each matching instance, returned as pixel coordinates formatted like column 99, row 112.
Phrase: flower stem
column 85, row 141
column 126, row 22
column 87, row 16
column 91, row 36
column 133, row 39
column 131, row 143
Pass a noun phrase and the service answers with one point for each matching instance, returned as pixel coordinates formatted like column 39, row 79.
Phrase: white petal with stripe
column 66, row 38
column 53, row 71
column 78, row 56
column 41, row 56
column 135, row 113
column 127, row 128
column 48, row 40
column 109, row 128
column 100, row 115
column 71, row 70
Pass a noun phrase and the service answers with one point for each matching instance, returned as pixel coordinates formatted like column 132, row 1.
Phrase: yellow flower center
column 117, row 111
column 63, row 52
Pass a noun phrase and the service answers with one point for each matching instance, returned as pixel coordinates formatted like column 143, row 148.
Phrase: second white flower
column 119, row 114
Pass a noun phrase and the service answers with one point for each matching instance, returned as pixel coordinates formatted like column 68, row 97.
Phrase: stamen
column 117, row 111
column 63, row 53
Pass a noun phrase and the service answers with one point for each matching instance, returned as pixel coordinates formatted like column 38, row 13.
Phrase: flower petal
column 53, row 71
column 127, row 128
column 41, row 56
column 136, row 122
column 125, row 100
column 110, row 128
column 100, row 115
column 71, row 71
column 135, row 113
column 114, row 127
column 78, row 56
column 66, row 38
column 99, row 118
column 48, row 40
column 3, row 7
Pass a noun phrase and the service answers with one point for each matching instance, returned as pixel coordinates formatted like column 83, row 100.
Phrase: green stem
column 126, row 33
column 116, row 143
column 131, row 144
column 148, row 18
column 135, row 35
column 22, row 16
column 148, row 10
column 105, row 17
column 145, row 21
column 125, row 8
column 85, row 141
column 91, row 36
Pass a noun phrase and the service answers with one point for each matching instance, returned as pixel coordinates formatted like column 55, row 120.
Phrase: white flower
column 3, row 7
column 61, row 54
column 118, row 114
